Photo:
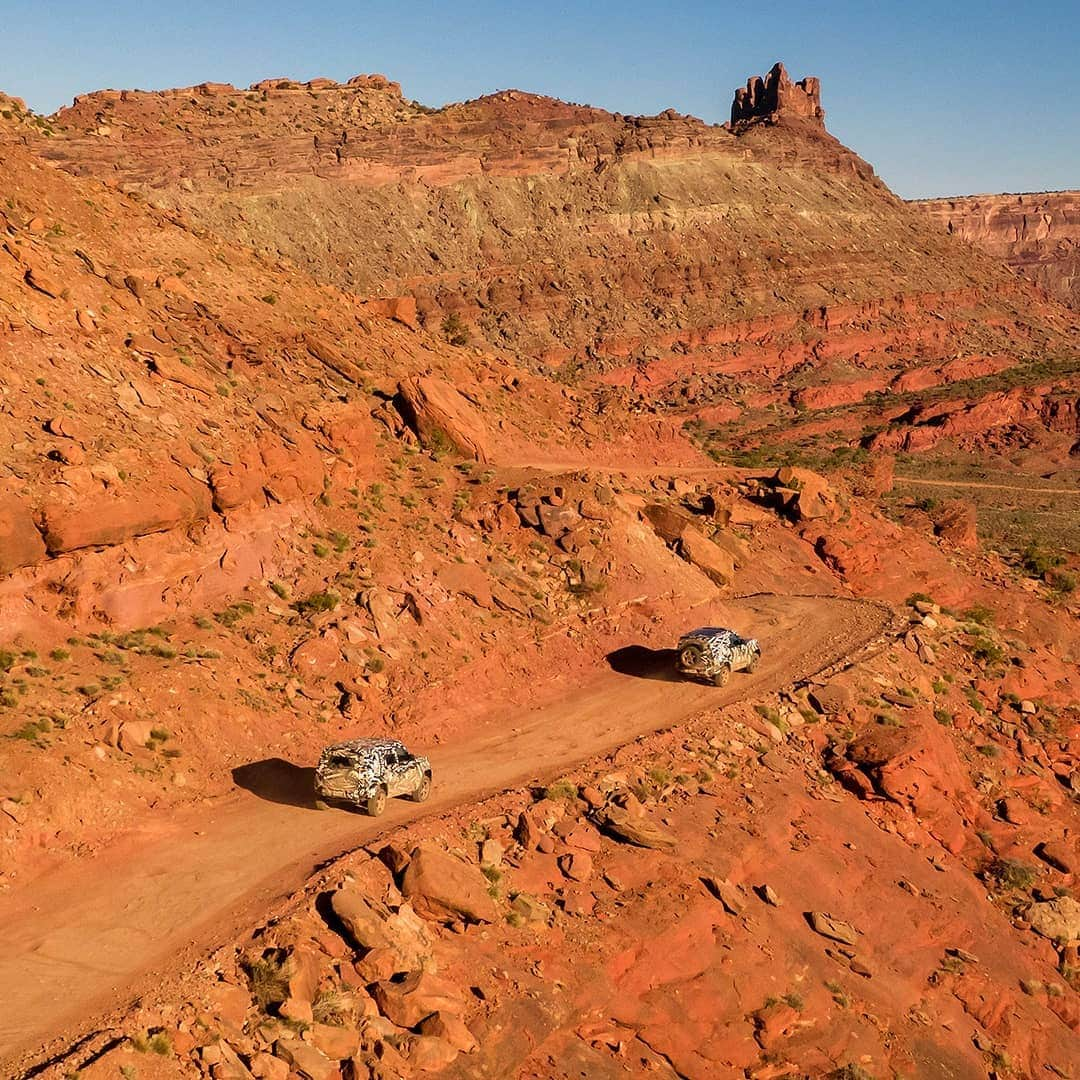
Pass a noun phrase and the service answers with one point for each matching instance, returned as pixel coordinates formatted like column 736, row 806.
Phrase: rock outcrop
column 776, row 98
column 1037, row 234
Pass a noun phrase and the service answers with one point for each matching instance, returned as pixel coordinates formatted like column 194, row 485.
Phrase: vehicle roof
column 365, row 746
column 709, row 631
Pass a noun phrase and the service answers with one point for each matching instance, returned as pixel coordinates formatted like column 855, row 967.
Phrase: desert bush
column 317, row 603
column 454, row 329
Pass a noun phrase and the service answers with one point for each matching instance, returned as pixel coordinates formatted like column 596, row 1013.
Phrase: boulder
column 668, row 522
column 304, row 967
column 1057, row 919
column 330, row 355
column 719, row 505
column 306, row 1061
column 955, row 521
column 731, row 545
column 240, row 482
column 556, row 520
column 134, row 735
column 712, row 560
column 811, row 496
column 337, row 1043
column 443, row 418
column 427, row 1053
column 468, row 580
column 831, row 927
column 530, row 910
column 1060, row 855
column 20, row 542
column 491, row 853
column 444, row 888
column 266, row 1067
column 415, row 997
column 371, row 925
column 916, row 765
column 577, row 865
column 292, row 463
column 450, row 1028
column 171, row 499
column 727, row 893
column 38, row 279
column 347, row 430
column 831, row 699
column 636, row 829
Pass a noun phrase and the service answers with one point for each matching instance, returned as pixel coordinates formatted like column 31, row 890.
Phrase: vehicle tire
column 722, row 676
column 423, row 791
column 752, row 666
column 321, row 804
column 377, row 803
column 691, row 657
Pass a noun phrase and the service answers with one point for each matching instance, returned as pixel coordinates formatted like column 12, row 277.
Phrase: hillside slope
column 752, row 270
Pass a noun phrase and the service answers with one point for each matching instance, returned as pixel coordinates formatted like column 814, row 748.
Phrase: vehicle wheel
column 321, row 804
column 690, row 657
column 423, row 791
column 377, row 803
column 752, row 666
column 722, row 676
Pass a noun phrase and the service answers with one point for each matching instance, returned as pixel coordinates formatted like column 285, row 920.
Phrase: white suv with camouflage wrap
column 713, row 653
column 367, row 772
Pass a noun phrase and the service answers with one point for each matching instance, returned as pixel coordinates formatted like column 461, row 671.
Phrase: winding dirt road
column 88, row 937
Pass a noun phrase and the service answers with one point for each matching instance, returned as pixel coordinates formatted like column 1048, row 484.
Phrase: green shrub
column 1062, row 582
column 234, row 613
column 317, row 603
column 1039, row 563
column 1010, row 874
column 269, row 976
column 980, row 614
column 454, row 329
column 32, row 730
column 561, row 789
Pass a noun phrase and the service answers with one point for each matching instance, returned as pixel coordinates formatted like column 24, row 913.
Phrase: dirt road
column 89, row 936
column 1026, row 489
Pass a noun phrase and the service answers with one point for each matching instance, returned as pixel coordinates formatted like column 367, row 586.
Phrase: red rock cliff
column 1036, row 234
column 775, row 96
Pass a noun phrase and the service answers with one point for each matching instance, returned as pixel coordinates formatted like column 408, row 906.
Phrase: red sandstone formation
column 1037, row 234
column 776, row 98
column 326, row 414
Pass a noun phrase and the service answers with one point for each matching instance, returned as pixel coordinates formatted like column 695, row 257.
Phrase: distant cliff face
column 775, row 97
column 1038, row 235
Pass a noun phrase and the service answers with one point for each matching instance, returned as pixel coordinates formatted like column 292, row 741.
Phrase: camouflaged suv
column 367, row 772
column 713, row 653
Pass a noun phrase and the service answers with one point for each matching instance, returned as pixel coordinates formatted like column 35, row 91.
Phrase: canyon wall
column 1037, row 234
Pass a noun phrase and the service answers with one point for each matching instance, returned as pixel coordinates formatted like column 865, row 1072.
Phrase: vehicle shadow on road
column 645, row 663
column 278, row 780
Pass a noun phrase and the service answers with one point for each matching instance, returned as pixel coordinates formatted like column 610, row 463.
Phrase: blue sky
column 942, row 98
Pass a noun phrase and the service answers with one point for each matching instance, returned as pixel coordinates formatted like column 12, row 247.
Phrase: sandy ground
column 90, row 935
